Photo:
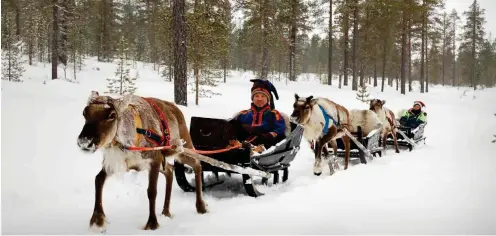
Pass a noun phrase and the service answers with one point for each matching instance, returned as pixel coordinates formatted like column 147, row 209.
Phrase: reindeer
column 388, row 120
column 323, row 121
column 112, row 125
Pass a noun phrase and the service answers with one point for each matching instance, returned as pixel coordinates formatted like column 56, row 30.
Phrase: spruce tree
column 362, row 93
column 122, row 83
column 12, row 63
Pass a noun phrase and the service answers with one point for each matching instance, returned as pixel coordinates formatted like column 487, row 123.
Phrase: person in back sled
column 262, row 124
column 413, row 117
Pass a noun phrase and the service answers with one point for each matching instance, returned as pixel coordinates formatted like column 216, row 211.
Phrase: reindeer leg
column 334, row 163
column 98, row 216
column 152, row 222
column 196, row 165
column 395, row 138
column 347, row 146
column 384, row 140
column 169, row 178
column 200, row 204
column 317, row 167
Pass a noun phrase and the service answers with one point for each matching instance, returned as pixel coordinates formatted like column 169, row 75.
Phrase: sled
column 416, row 135
column 215, row 134
column 371, row 142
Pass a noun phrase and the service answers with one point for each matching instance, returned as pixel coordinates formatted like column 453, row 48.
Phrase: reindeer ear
column 93, row 95
column 313, row 102
column 297, row 97
column 383, row 102
column 309, row 98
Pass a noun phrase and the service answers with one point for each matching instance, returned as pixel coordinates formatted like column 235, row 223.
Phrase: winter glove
column 252, row 130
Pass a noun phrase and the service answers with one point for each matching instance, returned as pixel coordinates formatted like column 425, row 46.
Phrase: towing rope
column 168, row 147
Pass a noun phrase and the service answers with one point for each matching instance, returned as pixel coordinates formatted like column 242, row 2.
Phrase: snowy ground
column 445, row 187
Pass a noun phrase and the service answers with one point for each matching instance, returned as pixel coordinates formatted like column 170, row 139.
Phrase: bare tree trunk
column 292, row 42
column 346, row 42
column 375, row 73
column 443, row 69
column 196, row 72
column 265, row 51
column 384, row 57
column 180, row 53
column 426, row 60
column 55, row 34
column 17, row 17
column 453, row 75
column 354, row 81
column 473, row 46
column 329, row 63
column 403, row 51
column 63, row 15
column 422, row 46
column 410, row 55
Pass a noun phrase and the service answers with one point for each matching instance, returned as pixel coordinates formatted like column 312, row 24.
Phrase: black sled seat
column 416, row 134
column 215, row 134
column 371, row 142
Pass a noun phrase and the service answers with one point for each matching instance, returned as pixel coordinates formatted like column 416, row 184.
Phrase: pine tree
column 362, row 93
column 12, row 63
column 472, row 42
column 122, row 83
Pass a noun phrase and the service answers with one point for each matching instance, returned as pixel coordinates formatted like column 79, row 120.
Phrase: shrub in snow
column 362, row 94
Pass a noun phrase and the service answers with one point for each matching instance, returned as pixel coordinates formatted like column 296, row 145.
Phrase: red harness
column 150, row 134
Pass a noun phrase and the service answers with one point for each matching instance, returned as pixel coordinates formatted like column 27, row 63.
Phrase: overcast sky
column 488, row 5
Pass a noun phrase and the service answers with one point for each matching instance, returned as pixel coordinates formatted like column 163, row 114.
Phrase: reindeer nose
column 83, row 142
column 86, row 144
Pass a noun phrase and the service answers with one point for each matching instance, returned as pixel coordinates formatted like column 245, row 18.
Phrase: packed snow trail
column 444, row 187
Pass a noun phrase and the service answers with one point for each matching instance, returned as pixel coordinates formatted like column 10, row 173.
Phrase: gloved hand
column 260, row 138
column 251, row 130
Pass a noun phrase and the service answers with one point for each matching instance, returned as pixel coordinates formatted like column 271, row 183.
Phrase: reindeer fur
column 110, row 125
column 366, row 119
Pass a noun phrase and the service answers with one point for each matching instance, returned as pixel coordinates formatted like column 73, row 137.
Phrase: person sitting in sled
column 262, row 124
column 413, row 117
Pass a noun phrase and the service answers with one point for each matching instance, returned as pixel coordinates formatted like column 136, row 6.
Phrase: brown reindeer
column 388, row 120
column 111, row 125
column 313, row 114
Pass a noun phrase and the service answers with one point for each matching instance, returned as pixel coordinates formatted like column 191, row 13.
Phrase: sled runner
column 213, row 136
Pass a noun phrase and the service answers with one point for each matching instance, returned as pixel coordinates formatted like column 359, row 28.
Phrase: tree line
column 402, row 41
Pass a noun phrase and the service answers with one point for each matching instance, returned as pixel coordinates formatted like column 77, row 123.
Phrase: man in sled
column 413, row 117
column 262, row 124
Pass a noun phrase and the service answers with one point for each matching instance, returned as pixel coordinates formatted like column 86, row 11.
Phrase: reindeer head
column 302, row 109
column 376, row 104
column 101, row 116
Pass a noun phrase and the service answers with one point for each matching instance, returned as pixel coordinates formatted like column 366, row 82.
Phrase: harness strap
column 150, row 134
column 327, row 117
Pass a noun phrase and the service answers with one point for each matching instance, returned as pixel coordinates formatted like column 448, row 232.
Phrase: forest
column 403, row 41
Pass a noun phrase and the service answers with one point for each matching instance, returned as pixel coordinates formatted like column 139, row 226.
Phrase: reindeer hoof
column 397, row 151
column 317, row 173
column 97, row 219
column 201, row 208
column 167, row 213
column 151, row 225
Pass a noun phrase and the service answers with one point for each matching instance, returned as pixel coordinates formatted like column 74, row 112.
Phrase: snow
column 445, row 187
